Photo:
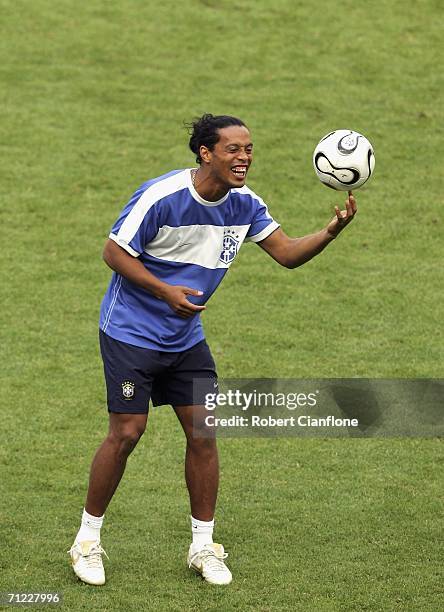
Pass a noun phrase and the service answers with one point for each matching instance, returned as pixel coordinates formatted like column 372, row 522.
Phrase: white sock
column 202, row 533
column 90, row 527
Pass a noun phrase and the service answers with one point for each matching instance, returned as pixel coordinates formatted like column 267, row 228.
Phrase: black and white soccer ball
column 344, row 160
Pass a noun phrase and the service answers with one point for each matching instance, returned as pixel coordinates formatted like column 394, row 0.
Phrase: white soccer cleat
column 209, row 561
column 86, row 559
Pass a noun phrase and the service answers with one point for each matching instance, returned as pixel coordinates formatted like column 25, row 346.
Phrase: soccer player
column 169, row 249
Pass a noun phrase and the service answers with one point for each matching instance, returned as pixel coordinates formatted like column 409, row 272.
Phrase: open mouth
column 239, row 172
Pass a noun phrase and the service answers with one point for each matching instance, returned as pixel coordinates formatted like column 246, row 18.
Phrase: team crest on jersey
column 230, row 246
column 128, row 390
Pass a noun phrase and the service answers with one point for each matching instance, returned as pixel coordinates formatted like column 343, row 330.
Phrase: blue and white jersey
column 183, row 240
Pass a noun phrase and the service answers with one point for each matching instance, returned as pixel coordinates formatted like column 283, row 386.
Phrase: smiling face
column 228, row 163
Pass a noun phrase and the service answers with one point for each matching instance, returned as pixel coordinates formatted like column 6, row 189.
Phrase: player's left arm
column 294, row 252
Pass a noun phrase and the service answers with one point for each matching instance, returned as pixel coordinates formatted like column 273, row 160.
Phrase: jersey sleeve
column 262, row 224
column 137, row 225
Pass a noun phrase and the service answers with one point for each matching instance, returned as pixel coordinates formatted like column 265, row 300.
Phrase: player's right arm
column 133, row 269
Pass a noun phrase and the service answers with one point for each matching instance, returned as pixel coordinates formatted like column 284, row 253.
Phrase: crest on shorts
column 230, row 246
column 128, row 389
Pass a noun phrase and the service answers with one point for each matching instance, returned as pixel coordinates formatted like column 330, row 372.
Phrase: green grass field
column 93, row 97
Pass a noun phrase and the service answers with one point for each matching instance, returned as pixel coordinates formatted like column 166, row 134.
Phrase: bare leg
column 110, row 459
column 201, row 462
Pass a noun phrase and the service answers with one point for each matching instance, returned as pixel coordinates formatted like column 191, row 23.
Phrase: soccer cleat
column 209, row 561
column 86, row 559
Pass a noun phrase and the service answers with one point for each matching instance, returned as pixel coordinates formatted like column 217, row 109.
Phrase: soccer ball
column 344, row 160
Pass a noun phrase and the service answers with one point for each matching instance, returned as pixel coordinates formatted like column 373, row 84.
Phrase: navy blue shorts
column 134, row 375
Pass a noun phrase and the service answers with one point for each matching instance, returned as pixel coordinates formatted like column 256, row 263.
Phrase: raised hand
column 343, row 217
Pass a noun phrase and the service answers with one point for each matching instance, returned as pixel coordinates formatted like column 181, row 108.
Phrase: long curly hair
column 205, row 131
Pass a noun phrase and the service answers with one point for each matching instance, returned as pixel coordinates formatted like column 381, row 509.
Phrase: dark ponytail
column 205, row 131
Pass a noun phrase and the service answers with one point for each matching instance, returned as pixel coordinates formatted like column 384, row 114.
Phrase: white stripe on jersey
column 264, row 233
column 196, row 244
column 113, row 302
column 153, row 194
column 124, row 245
